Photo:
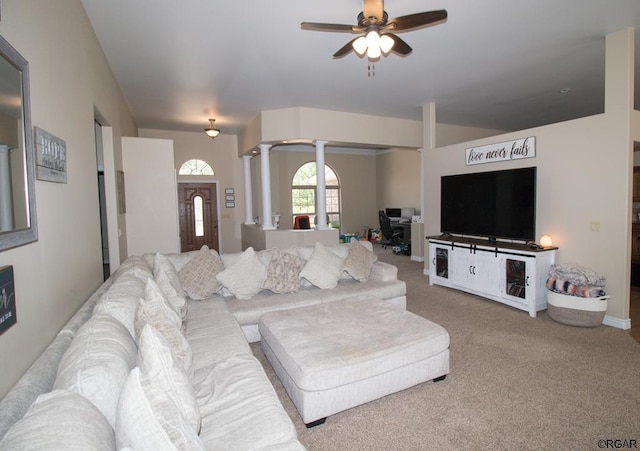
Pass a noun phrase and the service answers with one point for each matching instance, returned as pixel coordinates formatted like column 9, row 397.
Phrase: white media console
column 514, row 274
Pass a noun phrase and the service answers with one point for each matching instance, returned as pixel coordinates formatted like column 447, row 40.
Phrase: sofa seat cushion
column 249, row 311
column 213, row 333
column 52, row 422
column 244, row 411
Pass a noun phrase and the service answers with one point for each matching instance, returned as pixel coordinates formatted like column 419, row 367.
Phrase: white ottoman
column 335, row 356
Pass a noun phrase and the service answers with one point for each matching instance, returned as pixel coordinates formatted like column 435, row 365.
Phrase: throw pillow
column 52, row 422
column 283, row 272
column 153, row 309
column 359, row 261
column 148, row 420
column 198, row 277
column 166, row 276
column 157, row 362
column 244, row 277
column 323, row 268
column 97, row 363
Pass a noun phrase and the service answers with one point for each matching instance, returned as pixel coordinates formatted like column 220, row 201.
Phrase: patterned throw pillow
column 359, row 261
column 323, row 268
column 283, row 272
column 198, row 277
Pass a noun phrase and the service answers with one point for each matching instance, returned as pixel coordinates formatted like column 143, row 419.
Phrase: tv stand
column 511, row 273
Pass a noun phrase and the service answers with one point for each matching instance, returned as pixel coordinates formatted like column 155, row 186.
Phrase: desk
column 406, row 230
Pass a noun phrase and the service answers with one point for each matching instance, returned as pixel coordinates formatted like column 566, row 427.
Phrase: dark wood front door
column 198, row 216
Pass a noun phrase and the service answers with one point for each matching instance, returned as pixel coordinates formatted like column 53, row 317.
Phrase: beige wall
column 69, row 79
column 398, row 181
column 583, row 182
column 448, row 134
column 309, row 124
column 221, row 153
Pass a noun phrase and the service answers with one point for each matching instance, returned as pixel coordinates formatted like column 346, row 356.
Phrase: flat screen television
column 496, row 204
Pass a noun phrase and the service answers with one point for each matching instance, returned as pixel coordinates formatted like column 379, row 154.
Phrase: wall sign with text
column 51, row 157
column 504, row 151
column 7, row 299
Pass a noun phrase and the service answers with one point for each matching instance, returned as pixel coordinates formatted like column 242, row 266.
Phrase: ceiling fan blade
column 373, row 8
column 399, row 46
column 344, row 50
column 411, row 21
column 314, row 26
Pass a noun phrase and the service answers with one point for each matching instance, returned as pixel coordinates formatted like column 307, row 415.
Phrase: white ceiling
column 497, row 64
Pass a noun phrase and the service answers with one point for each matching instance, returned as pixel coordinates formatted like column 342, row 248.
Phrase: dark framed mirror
column 18, row 225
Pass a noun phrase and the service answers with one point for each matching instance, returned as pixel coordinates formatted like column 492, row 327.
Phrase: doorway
column 198, row 212
column 634, row 301
column 104, row 234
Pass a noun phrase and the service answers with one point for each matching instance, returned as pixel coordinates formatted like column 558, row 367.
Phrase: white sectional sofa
column 141, row 367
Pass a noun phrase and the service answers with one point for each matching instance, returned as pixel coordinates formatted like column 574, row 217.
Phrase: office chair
column 390, row 236
column 301, row 222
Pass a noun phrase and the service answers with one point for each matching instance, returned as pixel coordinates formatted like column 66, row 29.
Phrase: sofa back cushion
column 98, row 362
column 60, row 420
column 121, row 299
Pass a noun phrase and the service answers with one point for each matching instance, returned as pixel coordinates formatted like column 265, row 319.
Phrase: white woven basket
column 576, row 311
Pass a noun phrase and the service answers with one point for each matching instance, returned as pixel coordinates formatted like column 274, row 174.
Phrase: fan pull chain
column 371, row 69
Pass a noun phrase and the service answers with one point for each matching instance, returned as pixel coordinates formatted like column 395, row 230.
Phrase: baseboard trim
column 417, row 259
column 618, row 323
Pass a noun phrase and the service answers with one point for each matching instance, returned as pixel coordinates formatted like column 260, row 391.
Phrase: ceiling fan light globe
column 373, row 39
column 360, row 45
column 373, row 52
column 386, row 43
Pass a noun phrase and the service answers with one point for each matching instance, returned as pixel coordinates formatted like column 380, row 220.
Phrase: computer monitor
column 407, row 214
column 394, row 214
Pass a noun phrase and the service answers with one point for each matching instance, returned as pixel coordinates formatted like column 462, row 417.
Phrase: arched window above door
column 196, row 167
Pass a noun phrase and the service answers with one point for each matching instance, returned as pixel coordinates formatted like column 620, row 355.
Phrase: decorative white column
column 6, row 196
column 321, row 186
column 265, row 175
column 248, row 195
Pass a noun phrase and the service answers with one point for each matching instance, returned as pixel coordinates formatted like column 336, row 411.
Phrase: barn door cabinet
column 513, row 274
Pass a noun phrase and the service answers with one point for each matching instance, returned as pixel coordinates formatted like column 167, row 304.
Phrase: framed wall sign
column 230, row 197
column 504, row 151
column 7, row 299
column 51, row 157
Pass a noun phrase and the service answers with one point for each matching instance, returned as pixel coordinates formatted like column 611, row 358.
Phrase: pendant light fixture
column 211, row 131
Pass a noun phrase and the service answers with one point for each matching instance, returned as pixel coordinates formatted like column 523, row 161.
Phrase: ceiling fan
column 378, row 31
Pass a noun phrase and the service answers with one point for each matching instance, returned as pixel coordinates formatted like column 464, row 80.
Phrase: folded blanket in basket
column 577, row 275
column 566, row 287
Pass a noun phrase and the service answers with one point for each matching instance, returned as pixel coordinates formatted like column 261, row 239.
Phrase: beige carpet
column 515, row 383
